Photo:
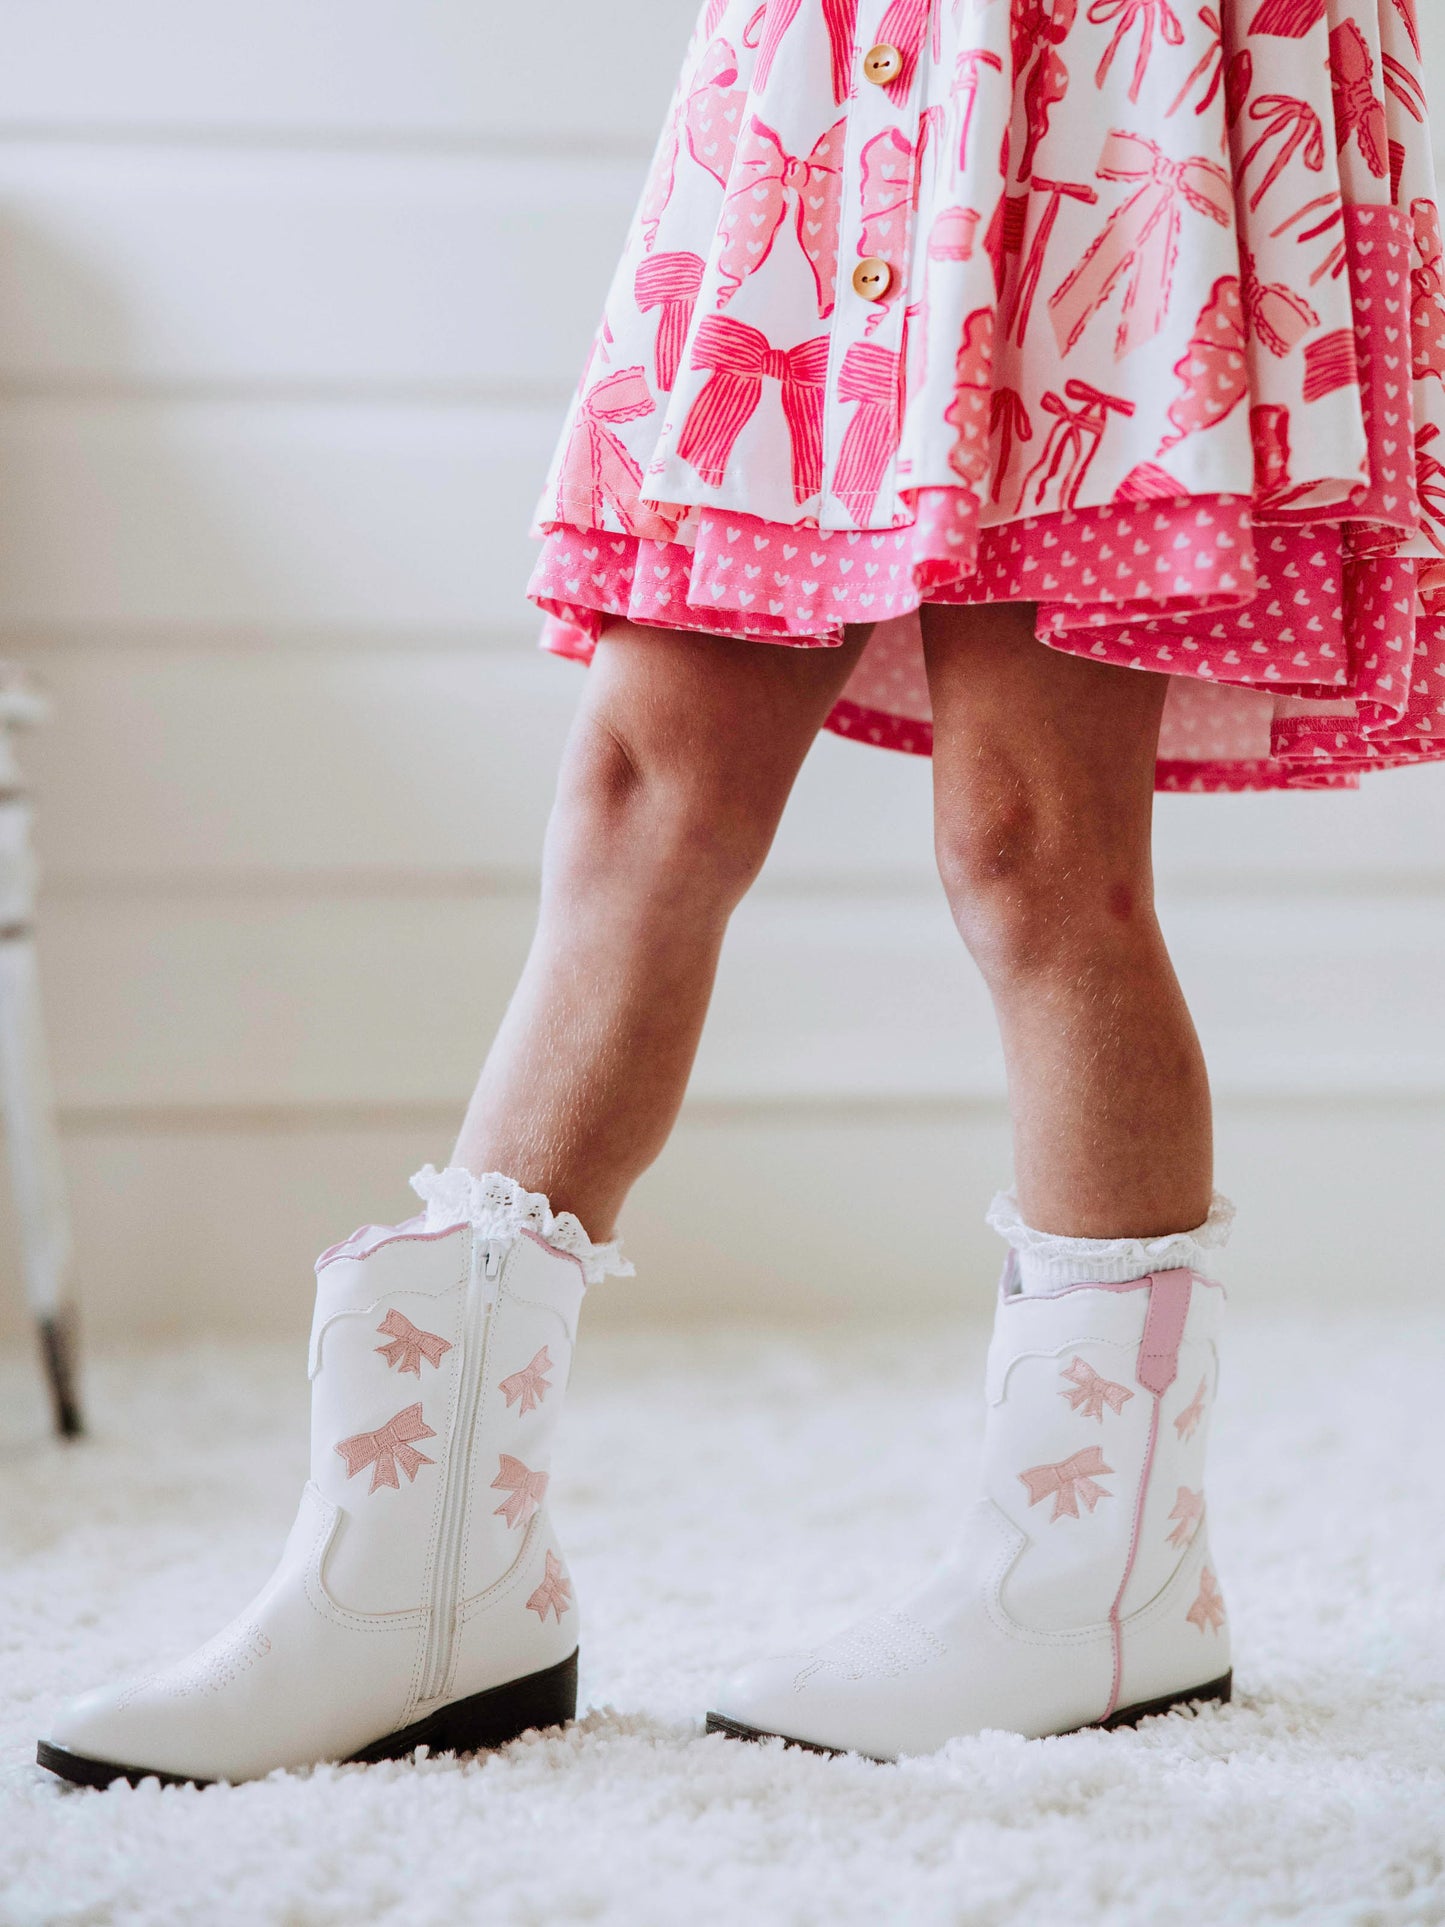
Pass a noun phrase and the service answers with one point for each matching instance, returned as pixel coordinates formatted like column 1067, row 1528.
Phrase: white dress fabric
column 1127, row 309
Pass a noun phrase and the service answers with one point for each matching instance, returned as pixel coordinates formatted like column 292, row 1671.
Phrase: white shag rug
column 720, row 1495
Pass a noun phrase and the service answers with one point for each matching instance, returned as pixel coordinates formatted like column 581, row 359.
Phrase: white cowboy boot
column 1083, row 1593
column 422, row 1597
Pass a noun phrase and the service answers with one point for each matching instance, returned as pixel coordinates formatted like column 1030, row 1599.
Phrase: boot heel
column 1218, row 1690
column 487, row 1720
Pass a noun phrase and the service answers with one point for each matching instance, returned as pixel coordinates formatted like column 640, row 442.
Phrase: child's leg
column 1044, row 788
column 1081, row 1589
column 455, row 1620
column 676, row 774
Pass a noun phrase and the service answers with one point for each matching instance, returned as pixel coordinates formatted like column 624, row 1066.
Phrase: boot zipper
column 445, row 1602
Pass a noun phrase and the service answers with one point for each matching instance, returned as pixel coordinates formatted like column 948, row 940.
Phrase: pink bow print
column 528, row 1386
column 1090, row 1392
column 670, row 282
column 1208, row 1608
column 1069, row 1481
column 1278, row 317
column 763, row 181
column 1187, row 1421
column 1358, row 109
column 709, row 116
column 1188, row 1511
column 765, row 32
column 1150, row 16
column 1141, row 240
column 902, row 27
column 885, row 173
column 409, row 1344
column 555, row 1592
column 1295, row 125
column 525, row 1490
column 740, row 358
column 598, row 472
column 869, row 376
column 388, row 1448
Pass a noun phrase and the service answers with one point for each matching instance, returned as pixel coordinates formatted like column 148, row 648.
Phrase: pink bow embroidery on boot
column 1187, row 1422
column 1188, row 1510
column 1207, row 1612
column 529, row 1385
column 555, row 1592
column 409, row 1345
column 525, row 1490
column 388, row 1448
column 1069, row 1481
column 1090, row 1392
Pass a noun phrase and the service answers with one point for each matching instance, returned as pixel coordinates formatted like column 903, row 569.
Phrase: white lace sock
column 1044, row 1262
column 498, row 1207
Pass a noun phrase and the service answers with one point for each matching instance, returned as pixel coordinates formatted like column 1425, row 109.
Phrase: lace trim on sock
column 1107, row 1261
column 498, row 1207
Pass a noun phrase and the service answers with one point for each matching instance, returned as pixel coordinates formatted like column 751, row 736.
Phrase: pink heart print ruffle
column 1161, row 351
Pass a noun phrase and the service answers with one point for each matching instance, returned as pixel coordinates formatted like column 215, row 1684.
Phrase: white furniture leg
column 25, row 1094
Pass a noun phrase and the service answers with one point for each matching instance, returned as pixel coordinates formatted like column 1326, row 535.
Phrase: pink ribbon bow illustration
column 1210, row 67
column 525, row 1490
column 386, row 1449
column 1141, row 240
column 1081, row 419
column 409, row 1344
column 902, row 27
column 765, row 32
column 1037, row 29
column 598, row 472
column 1278, row 317
column 870, row 376
column 1208, row 1608
column 1054, row 194
column 1295, row 125
column 1008, row 422
column 1188, row 1511
column 967, row 79
column 739, row 359
column 526, row 1389
column 1288, row 19
column 969, row 412
column 554, row 1595
column 1089, row 1392
column 670, row 282
column 1358, row 109
column 885, row 176
column 765, row 178
column 1069, row 1481
column 1187, row 1421
column 1151, row 17
column 708, row 116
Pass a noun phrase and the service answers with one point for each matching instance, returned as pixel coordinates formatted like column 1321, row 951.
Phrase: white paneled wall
column 291, row 298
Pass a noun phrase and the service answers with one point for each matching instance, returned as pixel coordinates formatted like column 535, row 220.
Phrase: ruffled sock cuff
column 497, row 1207
column 1046, row 1262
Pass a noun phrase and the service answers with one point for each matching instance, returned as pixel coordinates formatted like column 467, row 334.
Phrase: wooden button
column 872, row 278
column 882, row 64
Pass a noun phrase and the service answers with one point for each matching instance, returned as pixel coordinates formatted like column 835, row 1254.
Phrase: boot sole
column 1218, row 1691
column 474, row 1725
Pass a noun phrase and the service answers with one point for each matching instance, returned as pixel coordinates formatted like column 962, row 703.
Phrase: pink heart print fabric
column 1160, row 349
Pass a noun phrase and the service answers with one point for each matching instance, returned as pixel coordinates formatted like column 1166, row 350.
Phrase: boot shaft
column 1098, row 1412
column 438, row 1361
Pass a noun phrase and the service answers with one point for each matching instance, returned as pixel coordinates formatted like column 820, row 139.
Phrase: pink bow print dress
column 1130, row 309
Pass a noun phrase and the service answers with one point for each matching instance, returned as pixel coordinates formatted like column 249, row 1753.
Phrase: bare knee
column 636, row 803
column 1032, row 887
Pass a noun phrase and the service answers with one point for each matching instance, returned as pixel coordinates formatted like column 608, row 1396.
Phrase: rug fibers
column 721, row 1494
